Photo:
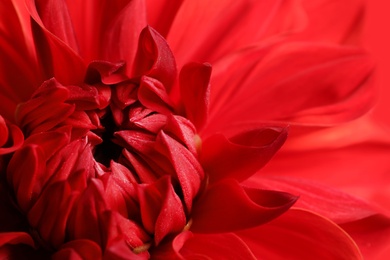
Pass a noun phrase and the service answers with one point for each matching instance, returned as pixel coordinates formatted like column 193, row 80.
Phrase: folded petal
column 11, row 137
column 226, row 207
column 154, row 58
column 242, row 155
column 300, row 234
column 338, row 206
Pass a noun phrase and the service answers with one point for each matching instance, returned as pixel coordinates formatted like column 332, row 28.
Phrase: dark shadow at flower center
column 107, row 150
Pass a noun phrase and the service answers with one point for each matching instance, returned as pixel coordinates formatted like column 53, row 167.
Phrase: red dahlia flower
column 116, row 146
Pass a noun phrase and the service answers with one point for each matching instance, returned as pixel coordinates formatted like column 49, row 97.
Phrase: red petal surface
column 325, row 201
column 242, row 155
column 198, row 24
column 54, row 55
column 79, row 249
column 154, row 58
column 195, row 92
column 329, row 81
column 11, row 137
column 300, row 234
column 119, row 41
column 187, row 168
column 226, row 206
column 372, row 235
column 216, row 246
column 19, row 70
column 161, row 209
column 333, row 21
column 55, row 17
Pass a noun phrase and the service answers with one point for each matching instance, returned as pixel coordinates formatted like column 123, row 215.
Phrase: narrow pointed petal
column 242, row 155
column 187, row 168
column 300, row 234
column 195, row 92
column 245, row 208
column 161, row 209
column 335, row 205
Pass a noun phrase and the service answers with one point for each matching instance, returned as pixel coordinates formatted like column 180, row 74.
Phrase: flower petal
column 55, row 17
column 154, row 58
column 338, row 21
column 372, row 235
column 226, row 207
column 198, row 24
column 10, row 136
column 300, row 234
column 241, row 155
column 161, row 209
column 195, row 92
column 335, row 205
column 120, row 39
column 329, row 79
column 56, row 57
column 79, row 249
column 216, row 246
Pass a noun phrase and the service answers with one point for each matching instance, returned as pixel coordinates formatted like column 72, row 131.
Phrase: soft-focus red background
column 377, row 41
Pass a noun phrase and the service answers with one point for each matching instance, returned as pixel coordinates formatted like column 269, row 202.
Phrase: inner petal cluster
column 100, row 157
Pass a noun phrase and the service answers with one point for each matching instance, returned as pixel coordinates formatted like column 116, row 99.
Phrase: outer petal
column 19, row 70
column 162, row 13
column 56, row 57
column 332, row 154
column 300, row 234
column 316, row 84
column 198, row 24
column 325, row 201
column 216, row 246
column 241, row 155
column 372, row 234
column 226, row 206
column 333, row 21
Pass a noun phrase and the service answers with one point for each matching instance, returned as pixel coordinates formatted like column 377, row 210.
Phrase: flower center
column 107, row 150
